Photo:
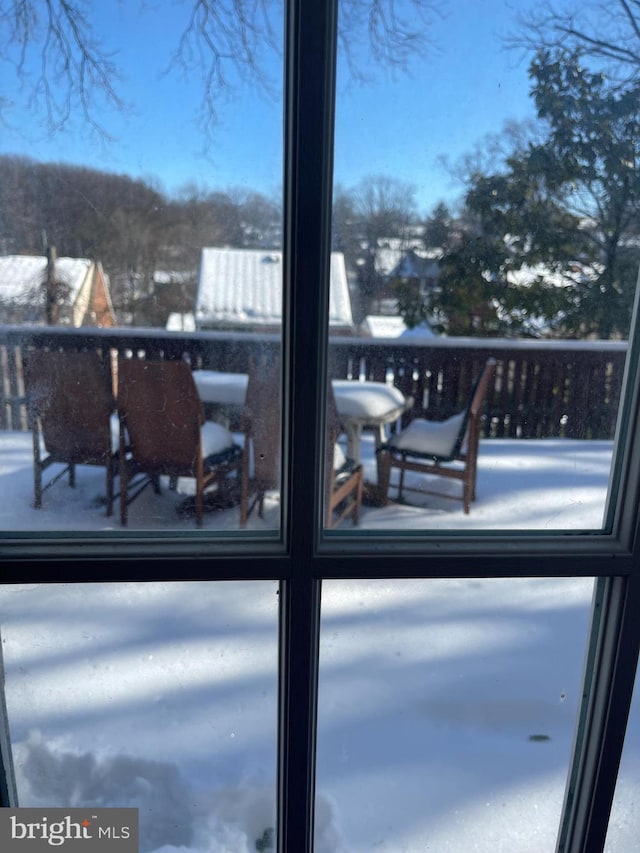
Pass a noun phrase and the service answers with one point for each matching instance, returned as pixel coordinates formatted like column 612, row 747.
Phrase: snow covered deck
column 533, row 485
column 446, row 707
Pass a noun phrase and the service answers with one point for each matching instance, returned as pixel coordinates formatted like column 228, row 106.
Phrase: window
column 303, row 555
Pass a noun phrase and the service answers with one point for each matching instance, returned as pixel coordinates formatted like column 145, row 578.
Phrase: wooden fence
column 541, row 389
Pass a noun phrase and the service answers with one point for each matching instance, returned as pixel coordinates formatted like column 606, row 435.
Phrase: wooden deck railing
column 541, row 389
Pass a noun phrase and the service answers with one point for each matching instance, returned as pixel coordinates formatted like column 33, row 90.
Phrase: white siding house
column 242, row 289
column 84, row 291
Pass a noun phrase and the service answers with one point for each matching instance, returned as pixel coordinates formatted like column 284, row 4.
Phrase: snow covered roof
column 417, row 265
column 384, row 326
column 21, row 277
column 243, row 287
column 406, row 259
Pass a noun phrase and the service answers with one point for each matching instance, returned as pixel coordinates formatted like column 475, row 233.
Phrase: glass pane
column 160, row 696
column 472, row 224
column 447, row 712
column 141, row 216
column 624, row 822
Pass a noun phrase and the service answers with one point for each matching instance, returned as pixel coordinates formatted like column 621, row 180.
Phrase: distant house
column 389, row 253
column 421, row 266
column 393, row 326
column 76, row 289
column 242, row 289
column 383, row 326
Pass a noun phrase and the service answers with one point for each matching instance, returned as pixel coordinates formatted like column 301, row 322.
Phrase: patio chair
column 446, row 448
column 344, row 478
column 71, row 411
column 163, row 424
column 260, row 423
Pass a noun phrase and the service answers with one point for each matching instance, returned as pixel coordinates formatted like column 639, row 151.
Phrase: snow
column 446, row 707
column 21, row 276
column 384, row 325
column 177, row 322
column 244, row 286
column 553, row 484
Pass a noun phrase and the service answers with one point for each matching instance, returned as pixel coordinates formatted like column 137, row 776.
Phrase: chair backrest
column 481, row 387
column 71, row 394
column 159, row 404
column 476, row 399
column 262, row 417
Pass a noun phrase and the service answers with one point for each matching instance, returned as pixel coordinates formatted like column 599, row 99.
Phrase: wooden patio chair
column 261, row 427
column 343, row 476
column 163, row 433
column 446, row 448
column 71, row 411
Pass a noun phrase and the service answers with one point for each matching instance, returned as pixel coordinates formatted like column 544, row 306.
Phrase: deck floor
column 532, row 485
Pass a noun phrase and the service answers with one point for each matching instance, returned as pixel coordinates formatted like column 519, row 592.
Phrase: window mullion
column 309, row 106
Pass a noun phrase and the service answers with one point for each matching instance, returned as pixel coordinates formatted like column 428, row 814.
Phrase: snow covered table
column 372, row 405
column 222, row 394
column 361, row 405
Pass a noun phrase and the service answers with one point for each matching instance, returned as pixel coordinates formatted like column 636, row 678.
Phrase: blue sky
column 397, row 124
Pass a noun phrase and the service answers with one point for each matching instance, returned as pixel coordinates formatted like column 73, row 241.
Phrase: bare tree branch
column 74, row 72
column 375, row 30
column 608, row 32
column 225, row 42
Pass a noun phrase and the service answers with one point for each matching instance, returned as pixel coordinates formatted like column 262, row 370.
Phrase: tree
column 563, row 209
column 385, row 209
column 607, row 36
column 592, row 155
column 346, row 229
column 467, row 300
column 438, row 227
column 224, row 41
column 410, row 303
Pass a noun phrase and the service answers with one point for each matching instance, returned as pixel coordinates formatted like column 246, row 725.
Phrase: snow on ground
column 446, row 710
column 555, row 484
column 446, row 707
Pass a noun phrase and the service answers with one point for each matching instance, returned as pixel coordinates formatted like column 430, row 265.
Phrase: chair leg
column 124, row 488
column 37, row 466
column 244, row 489
column 467, row 488
column 109, row 488
column 72, row 475
column 400, row 482
column 358, row 499
column 199, row 503
column 473, row 478
column 384, row 474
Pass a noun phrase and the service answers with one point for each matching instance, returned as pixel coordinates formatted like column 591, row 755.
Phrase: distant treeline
column 131, row 227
